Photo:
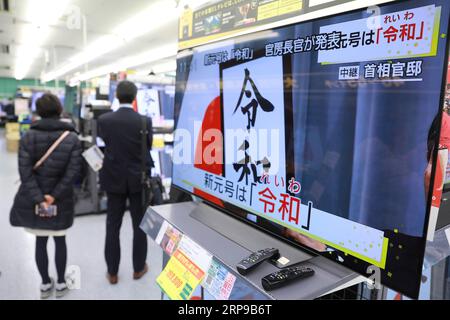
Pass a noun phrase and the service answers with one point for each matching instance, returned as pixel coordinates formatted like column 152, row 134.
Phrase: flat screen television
column 34, row 98
column 21, row 106
column 317, row 132
column 148, row 103
column 38, row 94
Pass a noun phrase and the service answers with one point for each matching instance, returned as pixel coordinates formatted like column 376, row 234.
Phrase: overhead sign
column 229, row 17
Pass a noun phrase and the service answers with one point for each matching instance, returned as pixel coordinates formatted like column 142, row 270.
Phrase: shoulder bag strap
column 144, row 150
column 51, row 149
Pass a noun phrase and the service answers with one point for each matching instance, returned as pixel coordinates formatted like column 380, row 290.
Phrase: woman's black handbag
column 152, row 187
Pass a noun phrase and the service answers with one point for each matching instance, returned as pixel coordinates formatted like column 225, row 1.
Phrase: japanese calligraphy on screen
column 318, row 132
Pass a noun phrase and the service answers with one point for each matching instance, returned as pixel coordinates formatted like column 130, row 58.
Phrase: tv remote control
column 255, row 259
column 286, row 276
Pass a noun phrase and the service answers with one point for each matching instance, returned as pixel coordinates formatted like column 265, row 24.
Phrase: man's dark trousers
column 116, row 209
column 121, row 178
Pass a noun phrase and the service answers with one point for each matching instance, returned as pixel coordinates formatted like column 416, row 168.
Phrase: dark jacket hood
column 54, row 124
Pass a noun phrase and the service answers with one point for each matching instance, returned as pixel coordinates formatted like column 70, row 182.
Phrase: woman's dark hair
column 49, row 106
column 126, row 92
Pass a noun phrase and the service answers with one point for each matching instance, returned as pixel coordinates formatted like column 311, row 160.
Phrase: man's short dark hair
column 49, row 106
column 126, row 92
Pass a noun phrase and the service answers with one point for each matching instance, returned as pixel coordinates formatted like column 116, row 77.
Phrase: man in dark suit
column 121, row 178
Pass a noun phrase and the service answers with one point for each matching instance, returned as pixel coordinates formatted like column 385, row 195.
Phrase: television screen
column 318, row 132
column 38, row 94
column 21, row 107
column 34, row 97
column 148, row 103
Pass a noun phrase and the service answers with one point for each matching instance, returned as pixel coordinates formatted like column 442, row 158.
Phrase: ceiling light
column 138, row 25
column 41, row 15
column 163, row 67
column 155, row 16
column 157, row 54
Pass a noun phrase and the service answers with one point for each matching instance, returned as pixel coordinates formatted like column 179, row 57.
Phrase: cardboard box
column 12, row 145
column 13, row 136
column 13, row 141
column 12, row 127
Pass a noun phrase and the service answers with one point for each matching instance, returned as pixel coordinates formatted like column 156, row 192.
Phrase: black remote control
column 255, row 259
column 286, row 276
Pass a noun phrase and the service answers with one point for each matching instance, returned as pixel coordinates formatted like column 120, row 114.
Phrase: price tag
column 185, row 270
column 219, row 281
column 194, row 252
column 180, row 277
column 168, row 238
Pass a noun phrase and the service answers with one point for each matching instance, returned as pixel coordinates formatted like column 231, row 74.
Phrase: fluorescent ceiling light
column 138, row 25
column 41, row 15
column 155, row 16
column 165, row 67
column 159, row 68
column 150, row 56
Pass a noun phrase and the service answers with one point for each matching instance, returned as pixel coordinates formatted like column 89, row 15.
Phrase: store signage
column 230, row 17
column 180, row 277
column 185, row 271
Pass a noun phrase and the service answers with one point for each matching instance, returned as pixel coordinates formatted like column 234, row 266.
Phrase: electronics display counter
column 229, row 240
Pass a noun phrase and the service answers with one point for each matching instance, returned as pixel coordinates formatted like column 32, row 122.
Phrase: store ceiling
column 62, row 43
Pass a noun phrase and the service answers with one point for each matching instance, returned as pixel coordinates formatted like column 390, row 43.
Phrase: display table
column 229, row 240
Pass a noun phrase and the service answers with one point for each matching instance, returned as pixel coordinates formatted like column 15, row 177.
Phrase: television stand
column 229, row 240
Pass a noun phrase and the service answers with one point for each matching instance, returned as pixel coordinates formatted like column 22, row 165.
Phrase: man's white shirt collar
column 126, row 105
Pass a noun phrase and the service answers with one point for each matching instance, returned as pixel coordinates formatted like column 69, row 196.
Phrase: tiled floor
column 19, row 278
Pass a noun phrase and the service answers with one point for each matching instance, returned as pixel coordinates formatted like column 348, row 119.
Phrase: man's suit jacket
column 122, row 167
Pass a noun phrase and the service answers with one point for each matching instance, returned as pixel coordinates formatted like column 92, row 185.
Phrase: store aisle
column 19, row 278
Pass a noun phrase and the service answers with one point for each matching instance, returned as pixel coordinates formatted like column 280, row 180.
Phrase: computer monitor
column 320, row 129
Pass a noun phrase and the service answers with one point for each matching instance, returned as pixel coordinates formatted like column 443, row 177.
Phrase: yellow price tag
column 180, row 277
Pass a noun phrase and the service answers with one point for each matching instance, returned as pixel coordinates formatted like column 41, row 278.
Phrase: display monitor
column 21, row 106
column 34, row 97
column 317, row 132
column 38, row 94
column 148, row 102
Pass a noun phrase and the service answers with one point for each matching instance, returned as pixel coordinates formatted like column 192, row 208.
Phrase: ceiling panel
column 63, row 43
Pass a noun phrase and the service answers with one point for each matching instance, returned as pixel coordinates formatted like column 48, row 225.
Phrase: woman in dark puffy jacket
column 50, row 184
